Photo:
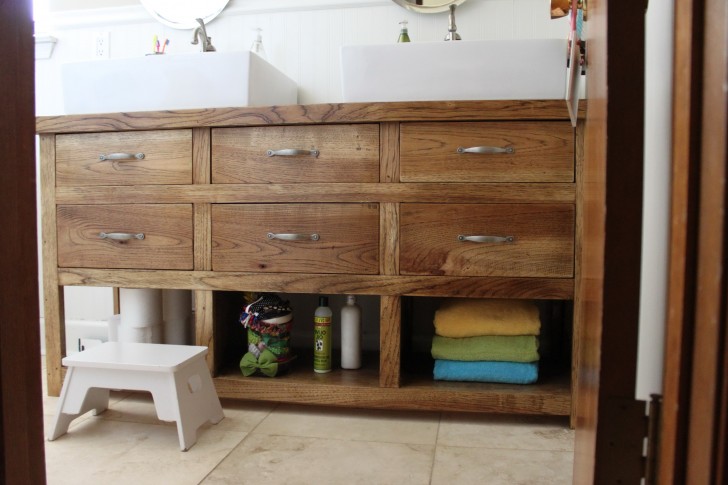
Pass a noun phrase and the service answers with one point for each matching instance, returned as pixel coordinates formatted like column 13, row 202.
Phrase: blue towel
column 486, row 371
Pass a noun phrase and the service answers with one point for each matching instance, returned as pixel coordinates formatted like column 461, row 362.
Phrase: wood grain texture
column 578, row 320
column 389, row 238
column 347, row 153
column 235, row 193
column 362, row 389
column 167, row 158
column 390, row 341
column 348, row 238
column 543, row 240
column 53, row 305
column 302, row 114
column 389, row 152
column 201, row 156
column 543, row 152
column 205, row 326
column 167, row 242
column 202, row 236
column 474, row 287
column 320, row 192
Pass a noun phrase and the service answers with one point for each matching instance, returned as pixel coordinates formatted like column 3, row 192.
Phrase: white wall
column 301, row 37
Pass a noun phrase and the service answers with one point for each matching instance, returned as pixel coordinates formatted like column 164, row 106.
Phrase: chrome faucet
column 201, row 34
column 452, row 33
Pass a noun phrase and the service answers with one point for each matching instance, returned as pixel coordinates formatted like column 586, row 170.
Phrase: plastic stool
column 176, row 375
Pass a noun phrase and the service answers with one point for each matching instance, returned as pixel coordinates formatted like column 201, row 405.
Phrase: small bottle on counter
column 350, row 334
column 322, row 336
column 403, row 34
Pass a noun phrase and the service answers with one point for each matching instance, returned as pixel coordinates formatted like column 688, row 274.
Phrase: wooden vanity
column 379, row 198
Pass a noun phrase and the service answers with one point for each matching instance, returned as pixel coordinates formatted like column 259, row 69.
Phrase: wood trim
column 390, row 340
column 711, row 284
column 320, row 192
column 204, row 325
column 201, row 156
column 202, row 214
column 608, row 296
column 466, row 286
column 578, row 320
column 687, row 95
column 389, row 152
column 53, row 304
column 389, row 239
column 21, row 403
column 314, row 113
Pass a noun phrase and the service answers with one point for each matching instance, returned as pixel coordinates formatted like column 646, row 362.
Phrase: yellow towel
column 462, row 317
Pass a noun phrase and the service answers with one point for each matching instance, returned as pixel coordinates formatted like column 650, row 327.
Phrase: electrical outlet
column 101, row 45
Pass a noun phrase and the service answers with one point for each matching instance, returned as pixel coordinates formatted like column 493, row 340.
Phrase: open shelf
column 361, row 388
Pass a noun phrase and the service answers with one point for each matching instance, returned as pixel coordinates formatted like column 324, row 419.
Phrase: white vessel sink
column 459, row 70
column 173, row 82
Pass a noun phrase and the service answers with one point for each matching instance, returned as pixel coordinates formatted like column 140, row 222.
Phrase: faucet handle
column 452, row 28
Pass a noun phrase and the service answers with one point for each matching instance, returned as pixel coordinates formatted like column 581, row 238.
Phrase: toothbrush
column 164, row 46
column 156, row 43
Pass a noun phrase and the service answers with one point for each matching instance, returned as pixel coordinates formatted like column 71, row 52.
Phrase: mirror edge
column 406, row 4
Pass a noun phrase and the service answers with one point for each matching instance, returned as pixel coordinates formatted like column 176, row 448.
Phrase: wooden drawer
column 167, row 158
column 346, row 153
column 167, row 242
column 348, row 238
column 542, row 152
column 542, row 246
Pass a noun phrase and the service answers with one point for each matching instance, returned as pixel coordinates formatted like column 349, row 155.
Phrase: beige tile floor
column 259, row 443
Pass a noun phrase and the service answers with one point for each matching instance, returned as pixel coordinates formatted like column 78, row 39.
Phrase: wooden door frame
column 693, row 445
column 610, row 423
column 21, row 446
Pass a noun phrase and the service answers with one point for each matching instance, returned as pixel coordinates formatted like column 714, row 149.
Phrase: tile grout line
column 238, row 444
column 434, row 449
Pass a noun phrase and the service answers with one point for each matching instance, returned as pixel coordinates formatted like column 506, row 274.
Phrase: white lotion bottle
column 350, row 334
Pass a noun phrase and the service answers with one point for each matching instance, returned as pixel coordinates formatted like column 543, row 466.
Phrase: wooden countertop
column 500, row 110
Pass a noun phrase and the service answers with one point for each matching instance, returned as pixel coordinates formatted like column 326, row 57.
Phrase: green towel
column 504, row 348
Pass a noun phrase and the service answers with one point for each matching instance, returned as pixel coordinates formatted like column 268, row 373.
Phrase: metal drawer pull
column 486, row 150
column 294, row 237
column 487, row 239
column 292, row 152
column 121, row 236
column 122, row 156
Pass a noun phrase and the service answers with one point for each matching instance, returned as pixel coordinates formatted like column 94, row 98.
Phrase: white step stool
column 176, row 375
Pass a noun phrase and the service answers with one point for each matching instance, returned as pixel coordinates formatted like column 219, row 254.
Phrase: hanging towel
column 509, row 348
column 460, row 317
column 486, row 371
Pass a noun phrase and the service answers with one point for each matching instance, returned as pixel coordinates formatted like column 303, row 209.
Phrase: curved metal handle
column 294, row 237
column 121, row 236
column 487, row 239
column 121, row 156
column 486, row 150
column 292, row 152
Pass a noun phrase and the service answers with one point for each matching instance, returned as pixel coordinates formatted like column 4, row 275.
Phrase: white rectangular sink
column 174, row 82
column 457, row 70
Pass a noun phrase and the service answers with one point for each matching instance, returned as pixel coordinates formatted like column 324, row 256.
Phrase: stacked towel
column 486, row 341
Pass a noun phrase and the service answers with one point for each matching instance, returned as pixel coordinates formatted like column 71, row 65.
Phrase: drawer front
column 542, row 245
column 346, row 153
column 347, row 238
column 155, row 157
column 541, row 152
column 167, row 241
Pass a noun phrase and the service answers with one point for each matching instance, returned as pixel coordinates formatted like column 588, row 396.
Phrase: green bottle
column 403, row 35
column 322, row 336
